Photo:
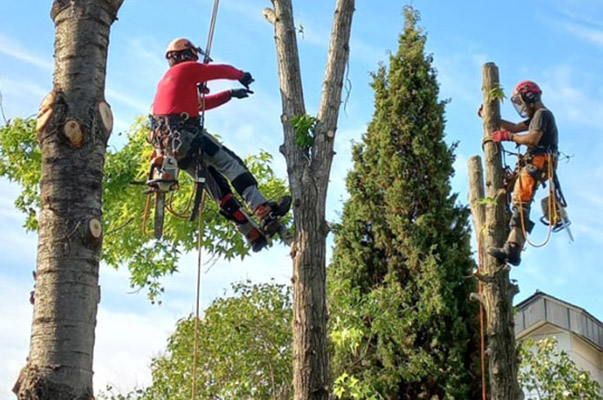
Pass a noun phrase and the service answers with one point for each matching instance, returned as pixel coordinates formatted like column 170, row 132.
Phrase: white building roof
column 541, row 308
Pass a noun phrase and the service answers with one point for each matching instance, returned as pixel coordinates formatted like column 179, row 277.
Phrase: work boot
column 256, row 240
column 269, row 213
column 231, row 209
column 510, row 252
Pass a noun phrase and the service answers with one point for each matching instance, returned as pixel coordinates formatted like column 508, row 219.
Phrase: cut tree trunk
column 308, row 172
column 490, row 224
column 73, row 129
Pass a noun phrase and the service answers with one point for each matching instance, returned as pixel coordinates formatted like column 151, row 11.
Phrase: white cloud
column 21, row 97
column 12, row 48
column 138, row 105
column 150, row 54
column 592, row 35
column 26, row 89
column 125, row 346
column 575, row 93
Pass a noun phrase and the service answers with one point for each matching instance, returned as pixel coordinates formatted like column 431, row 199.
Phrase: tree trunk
column 308, row 178
column 74, row 125
column 498, row 291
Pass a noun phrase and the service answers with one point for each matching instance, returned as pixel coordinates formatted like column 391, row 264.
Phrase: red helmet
column 525, row 94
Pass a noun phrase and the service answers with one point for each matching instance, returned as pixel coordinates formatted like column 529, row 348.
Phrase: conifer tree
column 402, row 325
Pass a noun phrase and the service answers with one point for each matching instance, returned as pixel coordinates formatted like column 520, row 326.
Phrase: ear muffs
column 530, row 97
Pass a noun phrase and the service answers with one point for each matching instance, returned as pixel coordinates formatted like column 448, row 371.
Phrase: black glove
column 246, row 79
column 240, row 93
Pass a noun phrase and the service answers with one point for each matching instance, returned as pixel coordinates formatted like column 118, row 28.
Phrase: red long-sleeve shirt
column 177, row 90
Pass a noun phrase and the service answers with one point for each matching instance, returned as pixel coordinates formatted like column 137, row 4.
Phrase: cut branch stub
column 95, row 232
column 269, row 15
column 45, row 111
column 106, row 116
column 73, row 130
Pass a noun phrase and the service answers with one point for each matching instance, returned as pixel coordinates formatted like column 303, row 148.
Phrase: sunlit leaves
column 548, row 373
column 244, row 349
column 20, row 160
column 304, row 126
column 124, row 243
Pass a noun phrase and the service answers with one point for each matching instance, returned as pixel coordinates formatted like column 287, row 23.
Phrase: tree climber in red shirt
column 176, row 109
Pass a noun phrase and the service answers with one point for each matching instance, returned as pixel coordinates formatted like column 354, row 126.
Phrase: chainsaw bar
column 159, row 214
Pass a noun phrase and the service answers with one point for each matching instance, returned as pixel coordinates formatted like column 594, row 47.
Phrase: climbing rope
column 183, row 214
column 552, row 206
column 198, row 297
column 206, row 59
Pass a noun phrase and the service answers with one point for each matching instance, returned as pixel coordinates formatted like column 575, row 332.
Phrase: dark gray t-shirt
column 544, row 121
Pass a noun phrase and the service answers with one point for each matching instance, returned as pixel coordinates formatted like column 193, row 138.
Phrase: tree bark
column 308, row 179
column 72, row 133
column 490, row 223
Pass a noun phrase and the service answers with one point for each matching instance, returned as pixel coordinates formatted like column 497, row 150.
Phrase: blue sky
column 557, row 43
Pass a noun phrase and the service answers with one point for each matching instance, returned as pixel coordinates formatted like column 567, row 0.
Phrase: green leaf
column 304, row 126
column 496, row 93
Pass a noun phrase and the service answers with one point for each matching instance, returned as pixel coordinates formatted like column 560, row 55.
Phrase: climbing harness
column 553, row 205
column 162, row 177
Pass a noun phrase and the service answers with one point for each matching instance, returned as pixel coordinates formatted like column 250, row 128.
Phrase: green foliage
column 124, row 203
column 20, row 160
column 487, row 201
column 549, row 374
column 401, row 324
column 497, row 93
column 244, row 349
column 304, row 126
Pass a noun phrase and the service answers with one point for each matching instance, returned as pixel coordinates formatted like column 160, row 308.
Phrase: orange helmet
column 180, row 44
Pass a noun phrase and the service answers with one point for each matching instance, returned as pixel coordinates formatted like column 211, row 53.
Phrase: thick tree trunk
column 308, row 179
column 74, row 125
column 498, row 291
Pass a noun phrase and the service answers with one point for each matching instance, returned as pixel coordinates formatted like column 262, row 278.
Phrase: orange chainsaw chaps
column 525, row 185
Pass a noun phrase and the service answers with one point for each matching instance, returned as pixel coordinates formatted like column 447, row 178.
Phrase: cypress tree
column 401, row 324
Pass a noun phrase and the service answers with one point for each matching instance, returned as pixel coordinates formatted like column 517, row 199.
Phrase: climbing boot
column 232, row 210
column 510, row 252
column 270, row 213
column 256, row 239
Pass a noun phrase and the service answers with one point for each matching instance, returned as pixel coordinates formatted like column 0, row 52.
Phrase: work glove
column 246, row 79
column 240, row 93
column 502, row 136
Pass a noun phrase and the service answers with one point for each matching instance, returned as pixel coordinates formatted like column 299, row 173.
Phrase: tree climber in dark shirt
column 541, row 142
column 176, row 109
